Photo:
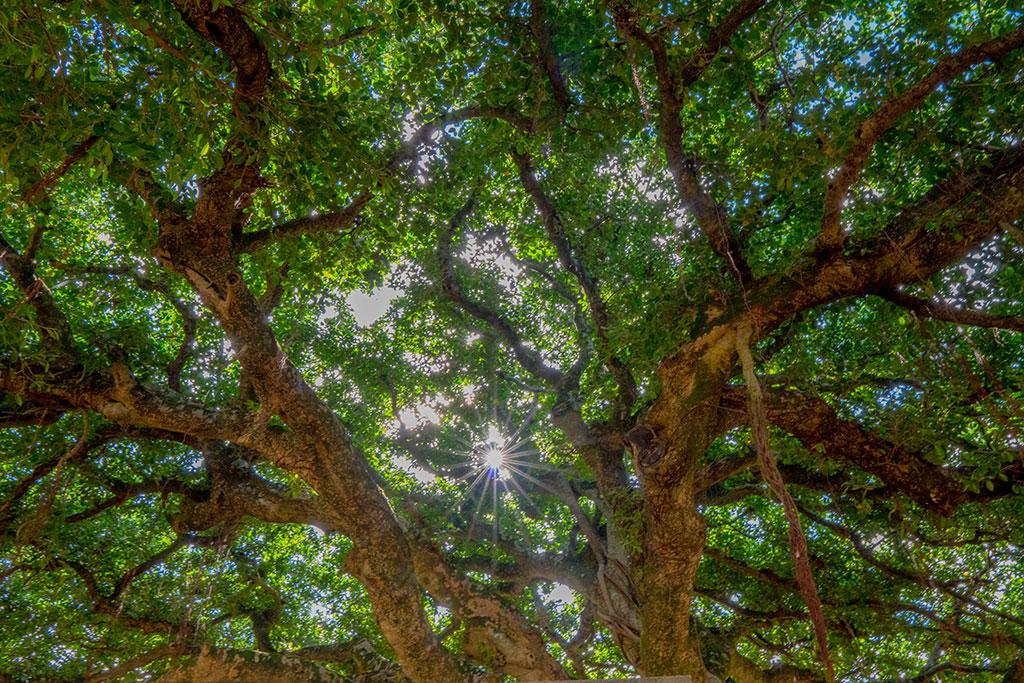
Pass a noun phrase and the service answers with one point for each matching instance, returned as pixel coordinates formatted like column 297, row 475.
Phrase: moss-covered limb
column 215, row 664
column 56, row 336
column 497, row 636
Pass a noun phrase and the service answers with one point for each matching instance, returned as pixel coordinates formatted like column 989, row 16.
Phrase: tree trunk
column 674, row 542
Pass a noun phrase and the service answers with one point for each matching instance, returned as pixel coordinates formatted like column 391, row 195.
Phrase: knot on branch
column 644, row 446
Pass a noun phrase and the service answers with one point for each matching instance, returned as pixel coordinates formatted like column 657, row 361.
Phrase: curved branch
column 189, row 320
column 78, row 451
column 334, row 221
column 527, row 357
column 125, row 491
column 951, row 314
column 710, row 215
column 913, row 576
column 694, row 67
column 548, row 56
column 163, row 207
column 55, row 332
column 572, row 263
column 102, row 604
column 48, row 180
column 143, row 567
column 870, row 130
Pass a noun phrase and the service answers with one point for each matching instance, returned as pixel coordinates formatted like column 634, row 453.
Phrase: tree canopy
column 436, row 341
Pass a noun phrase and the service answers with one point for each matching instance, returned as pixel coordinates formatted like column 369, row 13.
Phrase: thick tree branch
column 118, row 396
column 548, row 56
column 315, row 445
column 924, row 237
column 226, row 194
column 951, row 314
column 710, row 215
column 236, row 490
column 332, row 222
column 495, row 633
column 871, row 129
column 218, row 664
column 818, row 427
column 742, row 670
column 163, row 207
column 720, row 470
column 129, row 665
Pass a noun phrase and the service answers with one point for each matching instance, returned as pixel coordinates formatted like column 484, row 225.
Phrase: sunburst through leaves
column 496, row 466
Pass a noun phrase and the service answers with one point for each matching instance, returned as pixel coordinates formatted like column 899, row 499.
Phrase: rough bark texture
column 225, row 665
column 645, row 543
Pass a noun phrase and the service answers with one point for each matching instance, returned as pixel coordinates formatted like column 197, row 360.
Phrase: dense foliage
column 441, row 340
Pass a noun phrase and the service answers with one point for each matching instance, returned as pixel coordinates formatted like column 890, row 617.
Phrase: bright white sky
column 369, row 308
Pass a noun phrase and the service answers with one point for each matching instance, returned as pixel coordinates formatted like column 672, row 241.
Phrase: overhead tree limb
column 817, row 426
column 541, row 30
column 870, row 130
column 925, row 236
column 143, row 567
column 226, row 194
column 79, row 450
column 189, row 319
column 951, row 314
column 51, row 178
column 165, row 209
column 218, row 664
column 710, row 216
column 571, row 262
column 123, row 491
column 55, row 334
column 103, row 604
column 332, row 222
column 352, row 34
column 698, row 61
column 527, row 357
